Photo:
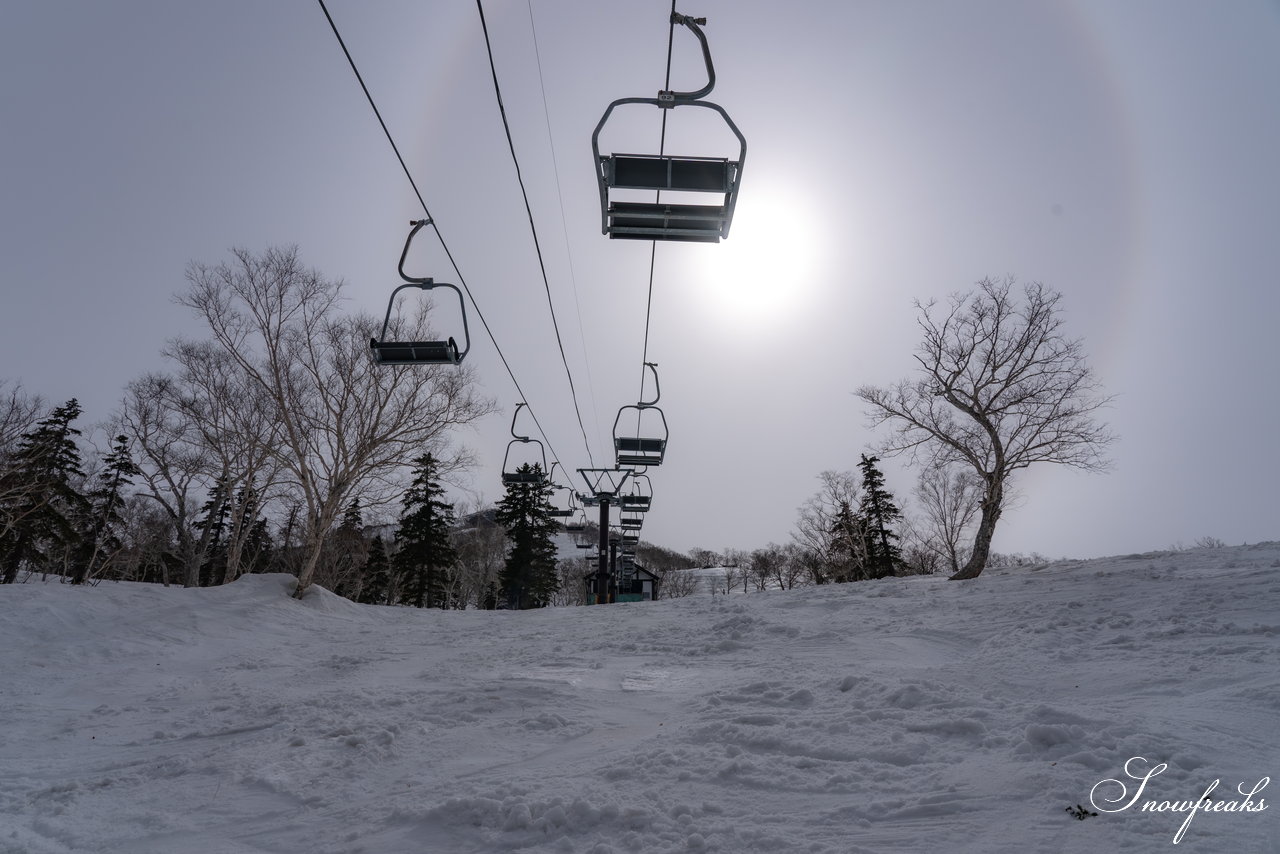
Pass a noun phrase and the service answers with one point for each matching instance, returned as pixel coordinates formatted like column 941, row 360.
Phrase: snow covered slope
column 903, row 715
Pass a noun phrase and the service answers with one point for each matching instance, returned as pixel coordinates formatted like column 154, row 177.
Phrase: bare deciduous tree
column 948, row 497
column 704, row 558
column 481, row 547
column 18, row 413
column 175, row 464
column 1002, row 389
column 345, row 424
column 233, row 421
column 678, row 583
column 819, row 528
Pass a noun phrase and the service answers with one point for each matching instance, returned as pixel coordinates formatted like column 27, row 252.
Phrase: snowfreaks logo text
column 1246, row 803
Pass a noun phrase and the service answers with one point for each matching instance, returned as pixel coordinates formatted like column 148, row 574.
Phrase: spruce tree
column 880, row 512
column 212, row 525
column 104, row 501
column 529, row 576
column 425, row 556
column 41, row 504
column 350, row 552
column 247, row 536
column 259, row 551
column 377, row 575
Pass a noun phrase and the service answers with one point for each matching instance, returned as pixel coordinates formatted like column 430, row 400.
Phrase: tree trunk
column 13, row 561
column 318, row 525
column 992, row 506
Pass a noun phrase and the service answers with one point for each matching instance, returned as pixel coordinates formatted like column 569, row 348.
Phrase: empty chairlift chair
column 445, row 352
column 564, row 503
column 640, row 498
column 647, row 444
column 577, row 523
column 661, row 220
column 515, row 471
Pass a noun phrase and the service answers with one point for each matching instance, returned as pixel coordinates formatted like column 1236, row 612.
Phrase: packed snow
column 900, row 715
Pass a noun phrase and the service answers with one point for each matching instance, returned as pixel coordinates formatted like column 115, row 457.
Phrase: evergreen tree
column 847, row 545
column 259, row 550
column 104, row 502
column 212, row 526
column 425, row 556
column 245, row 537
column 349, row 552
column 39, row 503
column 377, row 575
column 529, row 576
column 879, row 511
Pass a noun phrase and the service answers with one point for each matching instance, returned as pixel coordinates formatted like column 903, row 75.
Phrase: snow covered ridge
column 901, row 715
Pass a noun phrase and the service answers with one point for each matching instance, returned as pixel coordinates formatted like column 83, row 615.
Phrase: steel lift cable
column 412, row 183
column 537, row 245
column 564, row 224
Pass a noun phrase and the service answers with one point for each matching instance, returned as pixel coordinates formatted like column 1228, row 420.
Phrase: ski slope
column 901, row 715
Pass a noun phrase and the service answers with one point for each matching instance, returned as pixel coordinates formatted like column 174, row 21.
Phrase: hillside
column 902, row 715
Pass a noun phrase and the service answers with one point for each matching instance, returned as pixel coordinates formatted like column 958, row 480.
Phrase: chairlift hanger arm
column 657, row 389
column 514, row 416
column 417, row 226
column 669, row 98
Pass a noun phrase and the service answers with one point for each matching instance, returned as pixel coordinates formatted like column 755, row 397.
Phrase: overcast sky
column 1123, row 153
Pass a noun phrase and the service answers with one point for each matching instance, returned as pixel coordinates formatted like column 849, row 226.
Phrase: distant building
column 636, row 584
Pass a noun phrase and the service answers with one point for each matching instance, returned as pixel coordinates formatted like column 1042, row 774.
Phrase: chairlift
column 659, row 220
column 640, row 498
column 641, row 450
column 538, row 467
column 632, row 522
column 561, row 507
column 444, row 352
column 578, row 524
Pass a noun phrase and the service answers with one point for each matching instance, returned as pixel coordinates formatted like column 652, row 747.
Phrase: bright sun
column 761, row 273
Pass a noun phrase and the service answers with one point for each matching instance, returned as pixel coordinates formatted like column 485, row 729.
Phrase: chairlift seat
column 415, row 352
column 663, row 221
column 637, row 460
column 637, row 503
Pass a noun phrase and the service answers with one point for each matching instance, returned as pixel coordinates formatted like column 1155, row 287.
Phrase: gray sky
column 1123, row 153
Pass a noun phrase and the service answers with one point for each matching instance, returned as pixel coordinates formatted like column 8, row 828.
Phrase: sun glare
column 761, row 273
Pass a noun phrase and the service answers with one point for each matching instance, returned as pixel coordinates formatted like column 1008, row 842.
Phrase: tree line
column 266, row 442
column 244, row 454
